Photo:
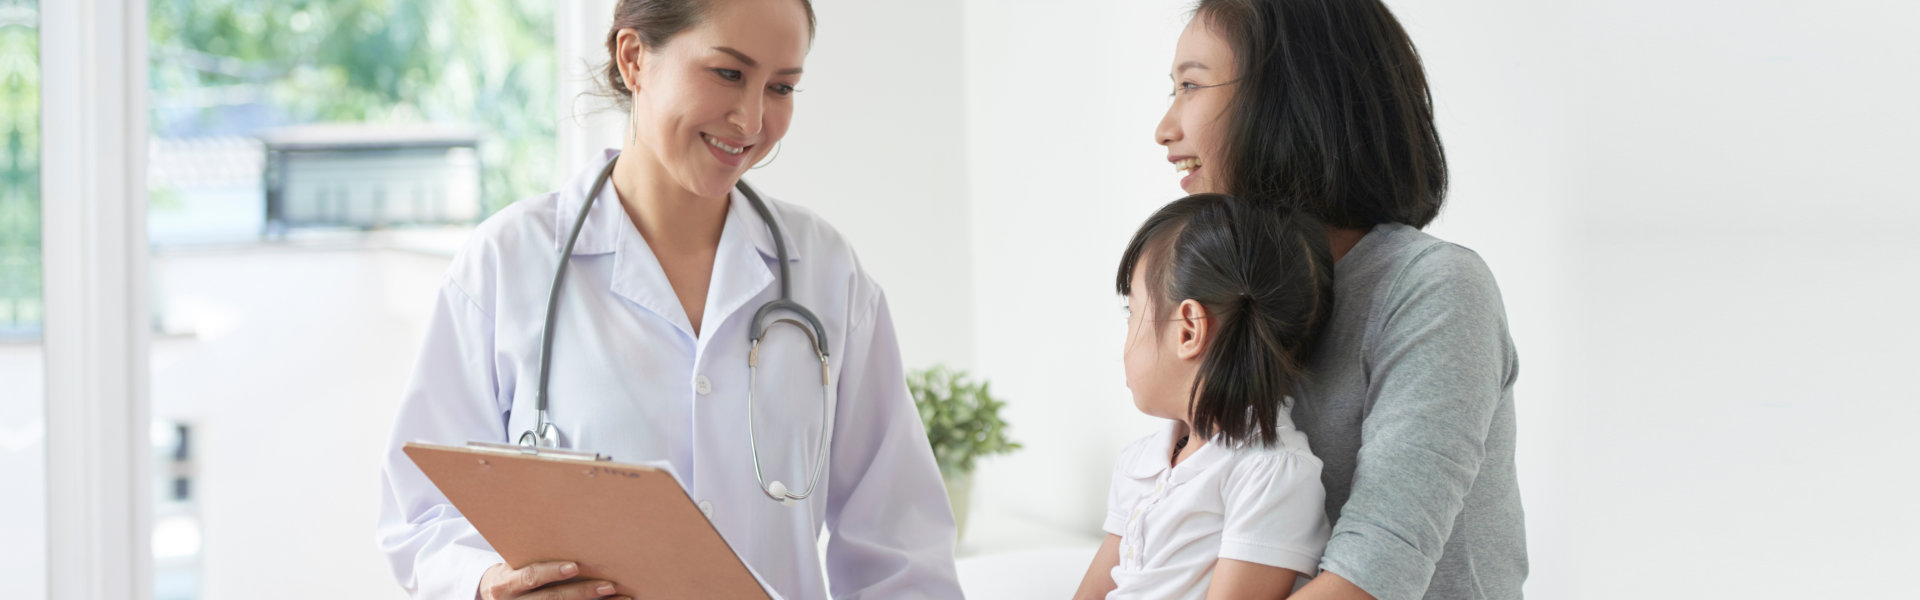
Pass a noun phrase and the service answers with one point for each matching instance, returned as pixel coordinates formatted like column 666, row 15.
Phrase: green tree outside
column 20, row 303
column 487, row 64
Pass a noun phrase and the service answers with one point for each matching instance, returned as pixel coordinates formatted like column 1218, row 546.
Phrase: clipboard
column 629, row 524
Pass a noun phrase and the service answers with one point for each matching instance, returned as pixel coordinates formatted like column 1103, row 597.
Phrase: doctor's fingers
column 580, row 590
column 537, row 582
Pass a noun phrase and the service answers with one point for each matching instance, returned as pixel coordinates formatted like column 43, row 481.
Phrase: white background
column 1699, row 213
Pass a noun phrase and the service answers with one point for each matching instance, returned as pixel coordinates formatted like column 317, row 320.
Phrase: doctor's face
column 1193, row 128
column 713, row 102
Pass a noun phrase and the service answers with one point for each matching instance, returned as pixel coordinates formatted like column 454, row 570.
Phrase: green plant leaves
column 961, row 416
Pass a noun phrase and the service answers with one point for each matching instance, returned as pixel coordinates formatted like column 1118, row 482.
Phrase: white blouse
column 1259, row 505
column 630, row 379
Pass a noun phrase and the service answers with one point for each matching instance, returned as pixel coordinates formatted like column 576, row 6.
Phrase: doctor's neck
column 669, row 216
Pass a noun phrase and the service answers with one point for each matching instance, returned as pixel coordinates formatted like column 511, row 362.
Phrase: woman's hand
column 542, row 581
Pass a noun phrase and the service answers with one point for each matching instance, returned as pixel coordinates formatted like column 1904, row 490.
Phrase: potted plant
column 963, row 424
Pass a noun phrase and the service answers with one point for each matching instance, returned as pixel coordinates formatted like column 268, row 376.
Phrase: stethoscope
column 544, row 435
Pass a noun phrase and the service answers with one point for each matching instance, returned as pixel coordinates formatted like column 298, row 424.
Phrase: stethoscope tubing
column 543, row 434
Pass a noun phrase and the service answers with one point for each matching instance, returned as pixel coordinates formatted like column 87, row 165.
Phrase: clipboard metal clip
column 516, row 449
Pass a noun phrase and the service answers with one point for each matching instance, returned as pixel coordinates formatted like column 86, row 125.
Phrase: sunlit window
column 312, row 165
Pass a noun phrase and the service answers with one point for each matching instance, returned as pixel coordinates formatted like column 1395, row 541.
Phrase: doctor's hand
column 542, row 581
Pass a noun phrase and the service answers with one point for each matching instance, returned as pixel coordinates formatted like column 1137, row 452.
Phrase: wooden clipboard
column 629, row 524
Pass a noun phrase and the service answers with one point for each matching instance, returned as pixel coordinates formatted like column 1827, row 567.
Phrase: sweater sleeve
column 1439, row 358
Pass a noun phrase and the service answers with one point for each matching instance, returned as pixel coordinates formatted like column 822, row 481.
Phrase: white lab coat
column 631, row 380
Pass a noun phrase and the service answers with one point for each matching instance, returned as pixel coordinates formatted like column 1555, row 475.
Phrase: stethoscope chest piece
column 543, row 435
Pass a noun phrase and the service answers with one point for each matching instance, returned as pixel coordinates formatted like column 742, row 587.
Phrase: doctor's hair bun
column 1264, row 273
column 657, row 21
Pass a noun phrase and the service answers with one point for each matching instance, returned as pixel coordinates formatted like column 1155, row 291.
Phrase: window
column 312, row 166
column 23, row 510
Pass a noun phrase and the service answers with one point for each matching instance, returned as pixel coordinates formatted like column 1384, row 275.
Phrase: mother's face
column 1193, row 129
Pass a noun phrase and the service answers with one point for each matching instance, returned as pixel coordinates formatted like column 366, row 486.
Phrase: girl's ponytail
column 1264, row 273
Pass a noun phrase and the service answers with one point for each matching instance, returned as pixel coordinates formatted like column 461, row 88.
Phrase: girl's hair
column 1330, row 111
column 1265, row 275
column 658, row 21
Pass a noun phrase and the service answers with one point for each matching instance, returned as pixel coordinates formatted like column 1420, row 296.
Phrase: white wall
column 1700, row 214
column 1062, row 99
column 876, row 148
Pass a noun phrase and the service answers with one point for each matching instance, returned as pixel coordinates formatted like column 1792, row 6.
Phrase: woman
column 1408, row 401
column 650, row 338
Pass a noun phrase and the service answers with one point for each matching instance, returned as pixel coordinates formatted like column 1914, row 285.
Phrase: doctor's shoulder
column 825, row 253
column 510, row 240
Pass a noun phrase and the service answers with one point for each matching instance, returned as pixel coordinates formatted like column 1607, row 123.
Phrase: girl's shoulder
column 1290, row 451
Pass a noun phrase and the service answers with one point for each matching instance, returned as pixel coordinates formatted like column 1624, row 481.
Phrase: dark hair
column 1330, row 111
column 658, row 21
column 1265, row 275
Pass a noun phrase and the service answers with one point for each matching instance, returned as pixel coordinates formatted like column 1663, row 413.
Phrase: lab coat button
column 702, row 385
column 706, row 508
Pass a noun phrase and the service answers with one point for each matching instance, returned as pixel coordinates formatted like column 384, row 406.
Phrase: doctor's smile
column 728, row 149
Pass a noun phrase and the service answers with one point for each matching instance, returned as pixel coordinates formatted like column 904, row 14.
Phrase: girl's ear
column 1194, row 329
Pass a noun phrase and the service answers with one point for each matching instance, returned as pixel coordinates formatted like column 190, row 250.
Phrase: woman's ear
column 1194, row 329
column 629, row 51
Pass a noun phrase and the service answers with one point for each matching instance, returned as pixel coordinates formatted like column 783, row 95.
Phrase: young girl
column 1225, row 300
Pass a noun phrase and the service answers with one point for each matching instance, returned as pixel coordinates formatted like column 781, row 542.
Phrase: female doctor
column 650, row 338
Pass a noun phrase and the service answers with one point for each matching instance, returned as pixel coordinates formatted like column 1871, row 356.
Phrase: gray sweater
column 1409, row 403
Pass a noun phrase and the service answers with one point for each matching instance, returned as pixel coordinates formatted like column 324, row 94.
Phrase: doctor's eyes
column 734, row 76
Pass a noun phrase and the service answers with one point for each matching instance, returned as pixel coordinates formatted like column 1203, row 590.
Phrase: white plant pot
column 959, row 487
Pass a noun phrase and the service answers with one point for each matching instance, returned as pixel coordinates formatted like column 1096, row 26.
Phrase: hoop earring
column 769, row 161
column 633, row 138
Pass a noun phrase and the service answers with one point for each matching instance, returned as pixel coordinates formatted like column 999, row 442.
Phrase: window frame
column 95, row 328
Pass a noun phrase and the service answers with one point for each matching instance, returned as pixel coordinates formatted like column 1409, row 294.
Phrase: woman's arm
column 1099, row 578
column 433, row 551
column 1440, row 361
column 1329, row 586
column 893, row 532
column 1238, row 579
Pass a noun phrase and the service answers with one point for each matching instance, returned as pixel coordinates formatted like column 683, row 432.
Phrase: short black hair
column 1330, row 111
column 1265, row 275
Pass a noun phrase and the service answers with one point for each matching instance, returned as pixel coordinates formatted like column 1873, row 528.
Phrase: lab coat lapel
column 638, row 277
column 740, row 273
